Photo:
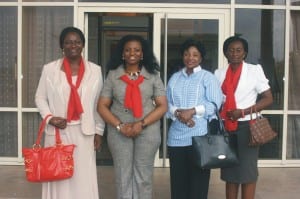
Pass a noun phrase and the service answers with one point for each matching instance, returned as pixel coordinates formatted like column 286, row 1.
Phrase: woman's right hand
column 185, row 115
column 126, row 129
column 131, row 129
column 58, row 122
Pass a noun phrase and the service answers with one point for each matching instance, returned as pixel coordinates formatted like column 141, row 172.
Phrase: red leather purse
column 49, row 163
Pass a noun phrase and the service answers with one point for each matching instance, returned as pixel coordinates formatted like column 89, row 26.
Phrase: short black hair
column 192, row 42
column 66, row 31
column 232, row 39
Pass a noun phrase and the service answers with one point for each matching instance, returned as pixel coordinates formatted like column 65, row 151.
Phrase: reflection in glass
column 30, row 127
column 293, row 137
column 40, row 32
column 8, row 56
column 8, row 134
column 263, row 30
column 294, row 67
column 295, row 2
column 272, row 150
column 261, row 2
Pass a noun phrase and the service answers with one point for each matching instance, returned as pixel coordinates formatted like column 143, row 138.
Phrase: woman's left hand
column 97, row 142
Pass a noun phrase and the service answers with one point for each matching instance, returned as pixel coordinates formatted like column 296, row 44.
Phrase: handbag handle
column 40, row 133
column 221, row 125
column 251, row 112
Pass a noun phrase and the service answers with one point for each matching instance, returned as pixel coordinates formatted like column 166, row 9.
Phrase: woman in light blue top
column 191, row 93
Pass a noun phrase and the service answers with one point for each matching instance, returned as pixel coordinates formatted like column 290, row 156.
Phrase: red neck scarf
column 74, row 104
column 133, row 98
column 228, row 87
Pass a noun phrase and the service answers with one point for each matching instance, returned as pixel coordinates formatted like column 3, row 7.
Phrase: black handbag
column 216, row 149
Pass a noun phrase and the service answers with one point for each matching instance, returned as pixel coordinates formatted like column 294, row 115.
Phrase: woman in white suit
column 245, row 87
column 68, row 90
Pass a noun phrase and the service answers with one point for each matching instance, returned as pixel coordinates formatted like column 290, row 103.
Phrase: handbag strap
column 221, row 125
column 41, row 130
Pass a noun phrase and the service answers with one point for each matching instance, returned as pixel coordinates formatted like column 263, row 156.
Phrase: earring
column 142, row 58
column 63, row 51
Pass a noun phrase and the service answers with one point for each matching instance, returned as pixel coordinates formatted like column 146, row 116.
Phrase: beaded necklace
column 133, row 75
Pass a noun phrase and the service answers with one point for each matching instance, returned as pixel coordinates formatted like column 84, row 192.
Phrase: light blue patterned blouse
column 197, row 90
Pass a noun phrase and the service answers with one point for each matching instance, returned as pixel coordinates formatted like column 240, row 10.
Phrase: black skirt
column 246, row 171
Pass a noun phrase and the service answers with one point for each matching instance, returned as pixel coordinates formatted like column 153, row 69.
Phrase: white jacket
column 51, row 98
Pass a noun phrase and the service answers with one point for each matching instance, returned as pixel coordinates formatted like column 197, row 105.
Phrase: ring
column 188, row 124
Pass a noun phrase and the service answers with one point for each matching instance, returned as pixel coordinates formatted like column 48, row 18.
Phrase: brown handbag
column 261, row 131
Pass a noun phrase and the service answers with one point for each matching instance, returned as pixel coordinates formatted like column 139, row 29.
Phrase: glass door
column 210, row 28
column 165, row 31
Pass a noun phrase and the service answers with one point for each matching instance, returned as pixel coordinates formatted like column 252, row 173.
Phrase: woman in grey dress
column 132, row 102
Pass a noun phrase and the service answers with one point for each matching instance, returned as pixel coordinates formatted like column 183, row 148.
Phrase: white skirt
column 83, row 184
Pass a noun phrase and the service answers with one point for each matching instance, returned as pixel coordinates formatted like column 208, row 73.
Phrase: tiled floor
column 274, row 183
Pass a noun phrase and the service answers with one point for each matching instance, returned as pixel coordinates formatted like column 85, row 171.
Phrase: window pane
column 262, row 2
column 30, row 127
column 293, row 137
column 295, row 2
column 272, row 150
column 8, row 56
column 263, row 30
column 41, row 29
column 294, row 67
column 8, row 134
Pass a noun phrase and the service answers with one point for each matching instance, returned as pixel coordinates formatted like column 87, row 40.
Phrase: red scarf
column 228, row 87
column 133, row 98
column 74, row 104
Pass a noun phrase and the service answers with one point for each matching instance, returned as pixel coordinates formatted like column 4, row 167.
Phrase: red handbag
column 49, row 163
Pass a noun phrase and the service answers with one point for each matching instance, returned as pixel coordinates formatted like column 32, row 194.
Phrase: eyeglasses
column 71, row 43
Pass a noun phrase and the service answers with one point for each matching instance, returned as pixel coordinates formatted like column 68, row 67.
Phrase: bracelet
column 243, row 113
column 119, row 126
column 143, row 124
